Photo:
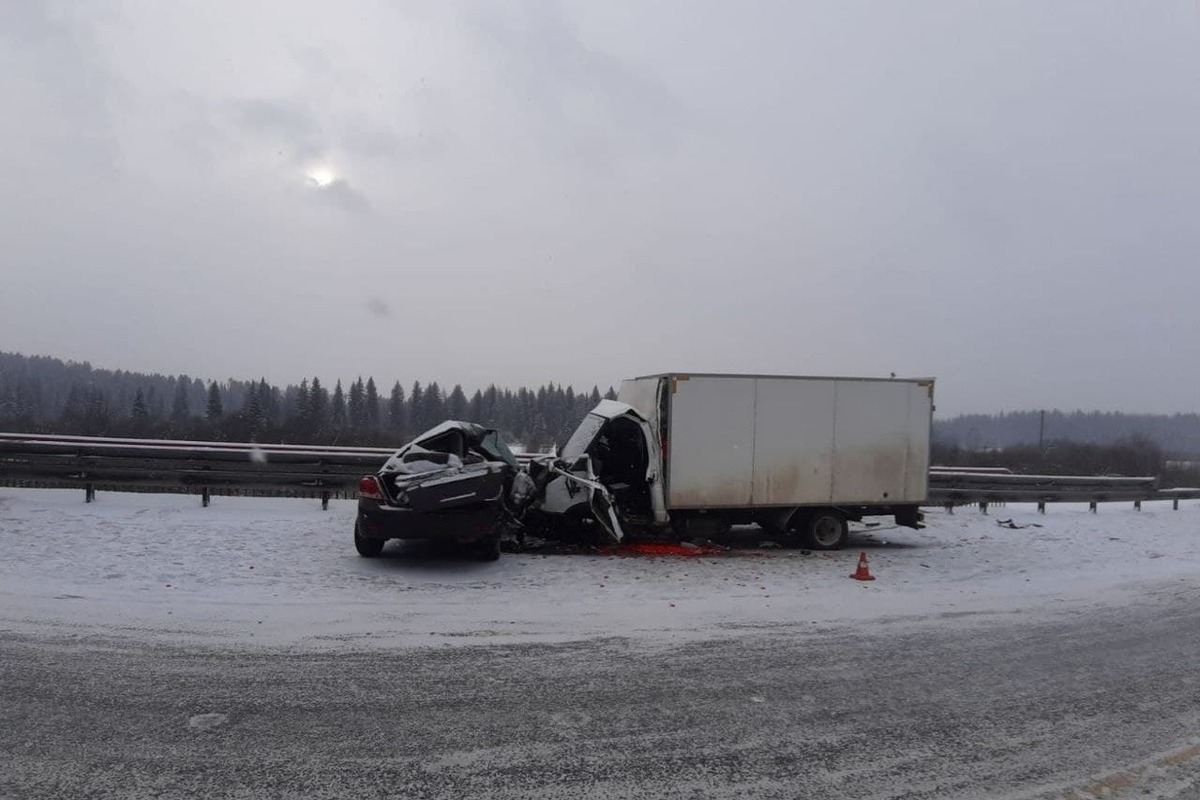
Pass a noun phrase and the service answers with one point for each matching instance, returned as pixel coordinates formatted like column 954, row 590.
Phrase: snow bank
column 280, row 572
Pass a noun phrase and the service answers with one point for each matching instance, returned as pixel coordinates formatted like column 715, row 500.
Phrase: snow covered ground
column 283, row 573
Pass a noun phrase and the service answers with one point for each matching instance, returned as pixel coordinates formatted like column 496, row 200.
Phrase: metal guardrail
column 204, row 468
column 321, row 471
column 951, row 488
column 980, row 470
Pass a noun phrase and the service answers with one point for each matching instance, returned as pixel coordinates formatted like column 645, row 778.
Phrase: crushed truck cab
column 611, row 467
column 795, row 454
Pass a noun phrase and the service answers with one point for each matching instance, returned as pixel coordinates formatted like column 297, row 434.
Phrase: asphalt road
column 1074, row 705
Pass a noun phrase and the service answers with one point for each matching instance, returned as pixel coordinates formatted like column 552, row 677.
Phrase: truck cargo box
column 758, row 441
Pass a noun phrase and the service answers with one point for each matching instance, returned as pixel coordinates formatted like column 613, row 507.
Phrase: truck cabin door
column 655, row 477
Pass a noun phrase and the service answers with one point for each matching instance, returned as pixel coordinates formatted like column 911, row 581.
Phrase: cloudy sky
column 1005, row 195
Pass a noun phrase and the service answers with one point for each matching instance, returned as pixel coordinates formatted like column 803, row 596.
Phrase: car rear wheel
column 488, row 549
column 826, row 530
column 365, row 545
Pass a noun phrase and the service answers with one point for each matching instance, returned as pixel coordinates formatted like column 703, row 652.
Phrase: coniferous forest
column 40, row 394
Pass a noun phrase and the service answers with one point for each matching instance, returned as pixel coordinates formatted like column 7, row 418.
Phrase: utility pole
column 1042, row 434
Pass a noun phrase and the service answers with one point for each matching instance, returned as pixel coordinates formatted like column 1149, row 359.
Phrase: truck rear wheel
column 825, row 530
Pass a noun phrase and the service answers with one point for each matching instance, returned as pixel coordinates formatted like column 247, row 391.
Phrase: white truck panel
column 920, row 422
column 871, row 442
column 747, row 441
column 793, row 442
column 711, row 443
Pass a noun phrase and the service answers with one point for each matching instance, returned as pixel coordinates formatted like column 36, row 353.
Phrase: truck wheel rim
column 827, row 531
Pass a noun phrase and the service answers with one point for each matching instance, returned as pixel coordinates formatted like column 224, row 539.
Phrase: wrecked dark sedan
column 452, row 483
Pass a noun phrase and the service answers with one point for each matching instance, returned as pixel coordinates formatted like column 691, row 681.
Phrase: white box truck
column 697, row 453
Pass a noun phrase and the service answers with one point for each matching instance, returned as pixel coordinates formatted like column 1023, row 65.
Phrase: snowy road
column 140, row 655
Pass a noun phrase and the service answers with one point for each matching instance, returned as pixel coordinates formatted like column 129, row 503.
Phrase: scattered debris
column 206, row 722
column 1008, row 523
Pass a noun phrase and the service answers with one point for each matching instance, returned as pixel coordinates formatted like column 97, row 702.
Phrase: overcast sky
column 1003, row 195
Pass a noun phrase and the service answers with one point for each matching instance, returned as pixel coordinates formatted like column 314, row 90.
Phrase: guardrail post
column 1175, row 504
column 1041, row 506
column 324, row 501
column 1092, row 506
column 1137, row 505
column 89, row 492
column 949, row 506
column 983, row 506
column 204, row 497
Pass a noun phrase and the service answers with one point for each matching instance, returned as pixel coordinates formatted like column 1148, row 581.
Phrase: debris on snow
column 1008, row 523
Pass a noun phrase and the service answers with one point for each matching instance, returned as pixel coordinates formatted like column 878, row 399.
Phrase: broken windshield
column 579, row 442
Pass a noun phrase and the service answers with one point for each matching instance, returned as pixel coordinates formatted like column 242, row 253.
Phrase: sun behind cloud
column 320, row 175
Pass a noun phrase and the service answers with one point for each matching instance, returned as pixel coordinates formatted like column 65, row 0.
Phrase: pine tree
column 318, row 402
column 416, row 408
column 456, row 403
column 372, row 406
column 526, row 412
column 337, row 408
column 358, row 416
column 433, row 405
column 490, row 415
column 506, row 411
column 213, row 409
column 140, row 413
column 397, row 421
column 268, row 399
column 252, row 412
column 180, row 407
column 303, row 409
column 476, row 409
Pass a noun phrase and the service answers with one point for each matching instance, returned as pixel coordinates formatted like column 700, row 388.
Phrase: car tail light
column 368, row 487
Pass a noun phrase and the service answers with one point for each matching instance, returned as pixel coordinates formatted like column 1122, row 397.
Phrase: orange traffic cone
column 863, row 573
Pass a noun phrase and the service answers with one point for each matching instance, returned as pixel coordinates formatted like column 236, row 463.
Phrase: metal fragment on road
column 206, row 722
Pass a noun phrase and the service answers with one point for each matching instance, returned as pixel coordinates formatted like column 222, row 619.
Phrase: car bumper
column 470, row 523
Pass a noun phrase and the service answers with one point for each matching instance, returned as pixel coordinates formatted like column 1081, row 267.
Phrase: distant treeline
column 47, row 395
column 1177, row 434
column 39, row 394
column 1135, row 456
column 1077, row 443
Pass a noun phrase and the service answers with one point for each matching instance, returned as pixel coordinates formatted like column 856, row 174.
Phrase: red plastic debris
column 662, row 549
